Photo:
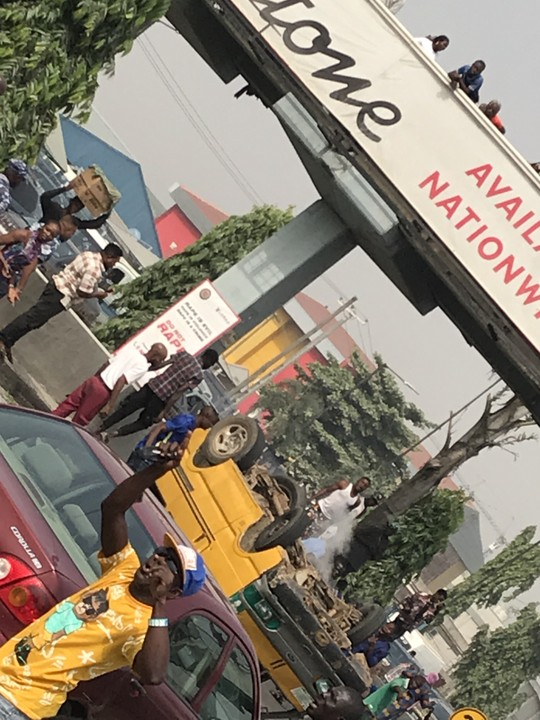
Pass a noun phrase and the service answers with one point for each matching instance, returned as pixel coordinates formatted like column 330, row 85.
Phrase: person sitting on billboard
column 433, row 45
column 469, row 78
column 491, row 110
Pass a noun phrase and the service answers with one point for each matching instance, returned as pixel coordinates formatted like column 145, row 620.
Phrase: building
column 530, row 710
column 186, row 221
column 464, row 554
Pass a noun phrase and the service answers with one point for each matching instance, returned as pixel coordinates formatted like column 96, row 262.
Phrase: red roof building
column 185, row 222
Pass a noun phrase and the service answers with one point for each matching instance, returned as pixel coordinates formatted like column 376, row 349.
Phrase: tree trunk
column 488, row 431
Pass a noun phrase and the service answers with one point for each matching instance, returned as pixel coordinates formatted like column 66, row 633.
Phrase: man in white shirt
column 100, row 392
column 78, row 279
column 336, row 501
column 432, row 46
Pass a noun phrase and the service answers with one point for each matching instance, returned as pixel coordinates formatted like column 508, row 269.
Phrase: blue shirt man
column 469, row 78
column 377, row 647
column 174, row 430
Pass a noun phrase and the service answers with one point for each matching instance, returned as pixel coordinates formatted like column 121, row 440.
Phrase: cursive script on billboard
column 306, row 36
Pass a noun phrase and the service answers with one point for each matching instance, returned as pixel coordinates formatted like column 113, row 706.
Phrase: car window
column 233, row 695
column 66, row 482
column 196, row 644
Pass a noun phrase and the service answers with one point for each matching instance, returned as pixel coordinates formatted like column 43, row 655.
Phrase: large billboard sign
column 456, row 171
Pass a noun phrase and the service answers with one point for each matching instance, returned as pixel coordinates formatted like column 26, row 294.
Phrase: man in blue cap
column 13, row 175
column 120, row 620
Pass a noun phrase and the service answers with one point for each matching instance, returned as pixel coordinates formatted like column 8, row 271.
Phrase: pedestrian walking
column 156, row 398
column 417, row 691
column 19, row 256
column 99, row 393
column 52, row 210
column 78, row 279
column 14, row 174
column 120, row 620
column 420, row 608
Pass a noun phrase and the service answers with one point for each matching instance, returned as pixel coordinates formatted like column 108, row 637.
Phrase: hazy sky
column 428, row 352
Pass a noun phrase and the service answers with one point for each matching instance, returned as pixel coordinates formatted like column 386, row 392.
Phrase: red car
column 54, row 476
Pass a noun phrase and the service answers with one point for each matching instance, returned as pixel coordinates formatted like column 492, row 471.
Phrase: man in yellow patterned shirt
column 117, row 621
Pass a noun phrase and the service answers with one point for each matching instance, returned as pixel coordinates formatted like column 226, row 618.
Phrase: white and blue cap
column 19, row 166
column 190, row 564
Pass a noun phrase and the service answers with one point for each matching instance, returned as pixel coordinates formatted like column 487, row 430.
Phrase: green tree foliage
column 333, row 422
column 164, row 282
column 495, row 664
column 51, row 53
column 512, row 572
column 420, row 533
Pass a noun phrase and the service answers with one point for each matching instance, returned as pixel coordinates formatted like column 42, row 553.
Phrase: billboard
column 466, row 182
column 192, row 323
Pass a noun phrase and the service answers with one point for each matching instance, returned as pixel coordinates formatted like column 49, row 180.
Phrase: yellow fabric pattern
column 94, row 631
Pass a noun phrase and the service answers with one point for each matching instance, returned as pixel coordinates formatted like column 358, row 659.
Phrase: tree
column 164, row 282
column 332, row 422
column 512, row 572
column 500, row 424
column 420, row 533
column 51, row 54
column 492, row 669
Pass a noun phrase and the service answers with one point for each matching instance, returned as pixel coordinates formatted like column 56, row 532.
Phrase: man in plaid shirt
column 155, row 399
column 78, row 279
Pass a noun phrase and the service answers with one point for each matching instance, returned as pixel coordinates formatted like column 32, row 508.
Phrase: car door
column 208, row 674
column 233, row 693
column 197, row 643
column 209, row 670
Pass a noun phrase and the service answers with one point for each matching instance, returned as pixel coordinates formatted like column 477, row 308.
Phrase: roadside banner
column 192, row 323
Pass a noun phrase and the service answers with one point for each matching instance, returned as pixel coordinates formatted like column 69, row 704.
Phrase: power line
column 196, row 121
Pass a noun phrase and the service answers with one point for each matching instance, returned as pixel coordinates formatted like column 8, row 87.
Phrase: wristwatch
column 158, row 622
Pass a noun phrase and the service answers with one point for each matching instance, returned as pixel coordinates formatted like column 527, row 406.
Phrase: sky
column 184, row 126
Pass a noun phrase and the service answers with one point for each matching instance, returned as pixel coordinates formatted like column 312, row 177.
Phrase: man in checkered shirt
column 155, row 399
column 79, row 279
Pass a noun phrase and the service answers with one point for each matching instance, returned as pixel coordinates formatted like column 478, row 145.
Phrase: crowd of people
column 157, row 382
column 138, row 593
column 468, row 78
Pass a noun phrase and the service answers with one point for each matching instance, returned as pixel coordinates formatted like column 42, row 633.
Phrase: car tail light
column 24, row 595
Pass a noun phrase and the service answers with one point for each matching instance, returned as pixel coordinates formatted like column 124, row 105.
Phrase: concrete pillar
column 283, row 265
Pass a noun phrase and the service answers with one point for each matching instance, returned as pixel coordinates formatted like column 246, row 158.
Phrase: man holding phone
column 119, row 620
